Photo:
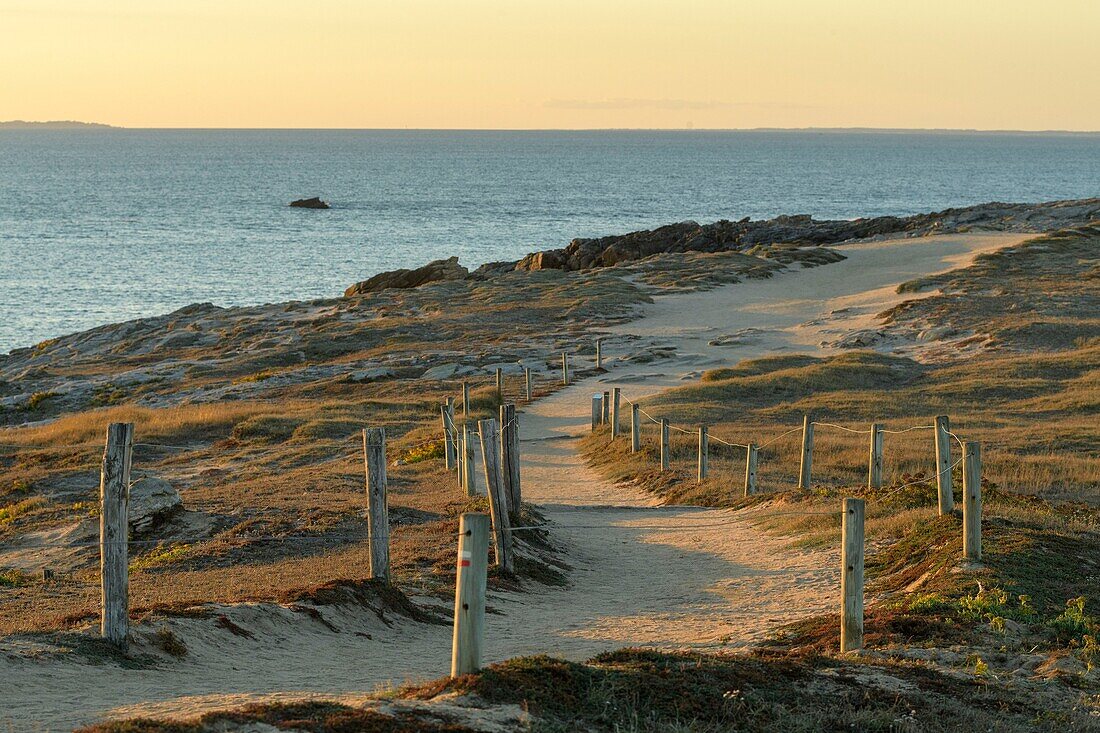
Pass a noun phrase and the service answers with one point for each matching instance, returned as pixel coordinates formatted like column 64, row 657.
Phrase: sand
column 668, row 577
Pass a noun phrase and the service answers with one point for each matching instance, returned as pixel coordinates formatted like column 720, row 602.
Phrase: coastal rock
column 310, row 203
column 152, row 500
column 804, row 234
column 373, row 374
column 447, row 269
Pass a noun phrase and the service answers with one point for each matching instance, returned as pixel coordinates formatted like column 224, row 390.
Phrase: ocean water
column 104, row 226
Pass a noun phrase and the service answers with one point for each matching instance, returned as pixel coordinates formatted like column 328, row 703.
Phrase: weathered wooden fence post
column 465, row 399
column 527, row 384
column 448, row 455
column 805, row 466
column 664, row 444
column 498, row 499
column 500, row 384
column 565, row 369
column 469, row 483
column 874, row 462
column 605, row 412
column 114, row 568
column 704, row 450
column 851, row 576
column 597, row 410
column 509, row 457
column 599, row 353
column 943, row 465
column 470, row 579
column 750, row 469
column 616, row 399
column 453, row 443
column 972, row 501
column 635, row 429
column 378, row 513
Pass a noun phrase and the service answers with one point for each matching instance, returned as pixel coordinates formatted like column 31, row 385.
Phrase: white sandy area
column 666, row 577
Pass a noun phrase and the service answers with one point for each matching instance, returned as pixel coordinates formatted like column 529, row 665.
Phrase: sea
column 101, row 226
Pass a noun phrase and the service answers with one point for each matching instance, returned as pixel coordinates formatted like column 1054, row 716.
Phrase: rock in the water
column 152, row 500
column 311, row 203
column 448, row 269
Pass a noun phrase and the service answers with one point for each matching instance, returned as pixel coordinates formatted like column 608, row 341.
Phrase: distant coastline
column 54, row 125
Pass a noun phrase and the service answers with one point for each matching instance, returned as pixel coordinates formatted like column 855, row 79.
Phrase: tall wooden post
column 874, row 461
column 597, row 410
column 805, row 466
column 527, row 384
column 565, row 369
column 635, row 429
column 448, row 455
column 465, row 399
column 616, row 399
column 972, row 501
column 605, row 416
column 500, row 384
column 114, row 495
column 750, row 469
column 470, row 580
column 378, row 513
column 599, row 354
column 664, row 444
column 704, row 451
column 943, row 465
column 509, row 457
column 498, row 499
column 851, row 576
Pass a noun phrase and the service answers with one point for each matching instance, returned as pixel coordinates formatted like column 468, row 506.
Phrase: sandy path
column 643, row 575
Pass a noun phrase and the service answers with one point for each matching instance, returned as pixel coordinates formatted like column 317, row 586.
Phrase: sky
column 520, row 64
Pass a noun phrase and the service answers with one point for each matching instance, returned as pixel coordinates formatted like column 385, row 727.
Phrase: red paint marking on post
column 464, row 563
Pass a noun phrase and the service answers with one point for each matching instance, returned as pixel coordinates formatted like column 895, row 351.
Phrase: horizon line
column 69, row 125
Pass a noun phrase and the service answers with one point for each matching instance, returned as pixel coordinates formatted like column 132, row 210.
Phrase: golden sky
column 987, row 64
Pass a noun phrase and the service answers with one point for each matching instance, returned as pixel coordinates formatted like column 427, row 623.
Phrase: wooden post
column 565, row 369
column 465, row 399
column 597, row 410
column 509, row 457
column 635, row 429
column 470, row 579
column 448, row 456
column 851, row 576
column 605, row 410
column 599, row 353
column 463, row 463
column 527, row 383
column 378, row 513
column 751, row 454
column 874, row 462
column 805, row 466
column 704, row 450
column 469, row 481
column 943, row 465
column 664, row 444
column 453, row 443
column 500, row 384
column 972, row 501
column 498, row 500
column 114, row 569
column 616, row 399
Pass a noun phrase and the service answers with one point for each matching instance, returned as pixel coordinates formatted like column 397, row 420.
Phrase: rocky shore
column 444, row 321
column 741, row 236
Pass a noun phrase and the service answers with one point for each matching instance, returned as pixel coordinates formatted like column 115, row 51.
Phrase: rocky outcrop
column 310, row 203
column 448, row 269
column 689, row 236
column 152, row 501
